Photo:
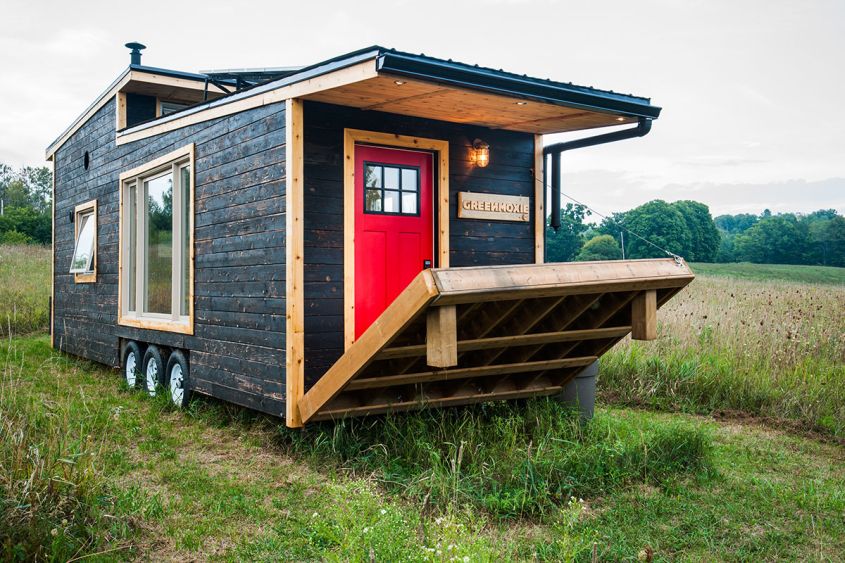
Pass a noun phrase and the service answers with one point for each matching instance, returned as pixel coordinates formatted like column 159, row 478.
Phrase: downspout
column 641, row 130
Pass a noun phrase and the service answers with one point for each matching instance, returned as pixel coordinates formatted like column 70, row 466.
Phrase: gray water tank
column 580, row 392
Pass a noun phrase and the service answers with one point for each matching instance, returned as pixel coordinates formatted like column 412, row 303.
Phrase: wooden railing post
column 441, row 337
column 644, row 316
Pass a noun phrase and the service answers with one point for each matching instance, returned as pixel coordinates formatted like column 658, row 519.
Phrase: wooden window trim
column 175, row 159
column 351, row 137
column 81, row 209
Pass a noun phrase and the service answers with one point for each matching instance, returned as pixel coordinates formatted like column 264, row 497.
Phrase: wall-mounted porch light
column 480, row 153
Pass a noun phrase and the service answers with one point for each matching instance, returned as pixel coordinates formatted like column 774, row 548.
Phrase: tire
column 178, row 377
column 153, row 370
column 131, row 365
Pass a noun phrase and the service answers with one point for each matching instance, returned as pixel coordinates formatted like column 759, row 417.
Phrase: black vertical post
column 555, row 222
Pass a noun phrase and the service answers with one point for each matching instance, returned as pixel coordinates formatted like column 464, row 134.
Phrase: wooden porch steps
column 465, row 335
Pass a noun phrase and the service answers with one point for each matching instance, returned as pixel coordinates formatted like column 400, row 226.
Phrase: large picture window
column 156, row 227
column 83, row 264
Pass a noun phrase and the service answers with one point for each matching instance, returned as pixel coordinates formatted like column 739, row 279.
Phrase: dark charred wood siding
column 472, row 242
column 237, row 352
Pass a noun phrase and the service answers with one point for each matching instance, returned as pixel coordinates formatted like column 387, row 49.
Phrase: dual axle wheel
column 149, row 371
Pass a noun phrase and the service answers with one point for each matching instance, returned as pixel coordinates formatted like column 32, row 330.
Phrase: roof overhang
column 378, row 79
column 138, row 79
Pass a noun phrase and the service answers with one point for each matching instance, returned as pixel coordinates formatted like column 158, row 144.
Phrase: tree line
column 687, row 228
column 26, row 205
column 683, row 227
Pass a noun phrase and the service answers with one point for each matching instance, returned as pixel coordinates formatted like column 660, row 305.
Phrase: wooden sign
column 494, row 207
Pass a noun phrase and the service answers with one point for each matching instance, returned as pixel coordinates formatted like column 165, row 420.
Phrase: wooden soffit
column 394, row 94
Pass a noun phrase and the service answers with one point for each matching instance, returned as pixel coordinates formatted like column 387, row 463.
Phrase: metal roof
column 520, row 85
column 411, row 65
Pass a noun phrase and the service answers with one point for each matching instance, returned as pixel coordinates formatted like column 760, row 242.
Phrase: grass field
column 92, row 468
column 774, row 348
column 24, row 289
column 88, row 467
column 773, row 272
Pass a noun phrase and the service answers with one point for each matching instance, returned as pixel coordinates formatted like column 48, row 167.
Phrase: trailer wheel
column 153, row 370
column 178, row 373
column 132, row 357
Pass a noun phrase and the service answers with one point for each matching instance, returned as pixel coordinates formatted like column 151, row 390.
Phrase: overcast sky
column 752, row 91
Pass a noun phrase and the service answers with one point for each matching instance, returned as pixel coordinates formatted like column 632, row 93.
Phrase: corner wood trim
column 350, row 138
column 294, row 264
column 53, row 261
column 539, row 202
column 90, row 277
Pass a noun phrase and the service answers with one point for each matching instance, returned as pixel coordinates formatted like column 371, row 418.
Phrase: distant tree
column 659, row 223
column 827, row 239
column 735, row 223
column 37, row 226
column 563, row 245
column 703, row 236
column 775, row 239
column 600, row 247
column 26, row 204
column 612, row 224
column 16, row 194
column 39, row 183
column 822, row 215
column 726, row 249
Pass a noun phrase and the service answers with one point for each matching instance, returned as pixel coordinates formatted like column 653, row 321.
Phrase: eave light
column 481, row 153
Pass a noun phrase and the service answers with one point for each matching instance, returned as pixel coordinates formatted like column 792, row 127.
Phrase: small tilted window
column 84, row 261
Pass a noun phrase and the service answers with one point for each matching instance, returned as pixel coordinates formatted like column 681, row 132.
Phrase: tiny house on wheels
column 362, row 235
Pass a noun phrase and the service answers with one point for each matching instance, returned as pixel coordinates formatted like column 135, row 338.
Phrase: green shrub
column 15, row 237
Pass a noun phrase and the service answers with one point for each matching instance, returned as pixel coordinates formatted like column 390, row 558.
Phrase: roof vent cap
column 135, row 53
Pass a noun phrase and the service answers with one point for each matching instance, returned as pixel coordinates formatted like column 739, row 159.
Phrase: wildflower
column 54, row 532
column 383, row 511
column 466, row 558
column 314, row 515
column 366, row 530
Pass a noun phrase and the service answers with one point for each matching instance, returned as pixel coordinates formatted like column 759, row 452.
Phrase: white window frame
column 173, row 163
column 80, row 211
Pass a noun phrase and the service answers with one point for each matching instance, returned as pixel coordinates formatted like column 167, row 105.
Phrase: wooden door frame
column 441, row 211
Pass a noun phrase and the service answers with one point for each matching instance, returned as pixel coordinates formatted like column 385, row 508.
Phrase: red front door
column 393, row 226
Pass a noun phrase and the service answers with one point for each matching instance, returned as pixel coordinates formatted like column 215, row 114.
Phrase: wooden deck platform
column 465, row 335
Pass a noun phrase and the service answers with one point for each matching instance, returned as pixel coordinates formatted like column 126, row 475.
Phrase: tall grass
column 769, row 348
column 24, row 289
column 53, row 503
column 511, row 459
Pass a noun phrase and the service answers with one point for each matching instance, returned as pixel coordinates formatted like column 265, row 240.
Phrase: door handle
column 426, row 264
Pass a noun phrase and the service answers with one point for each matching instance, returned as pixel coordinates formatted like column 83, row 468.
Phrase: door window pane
column 159, row 244
column 409, row 179
column 391, row 178
column 372, row 200
column 391, row 202
column 409, row 203
column 372, row 176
